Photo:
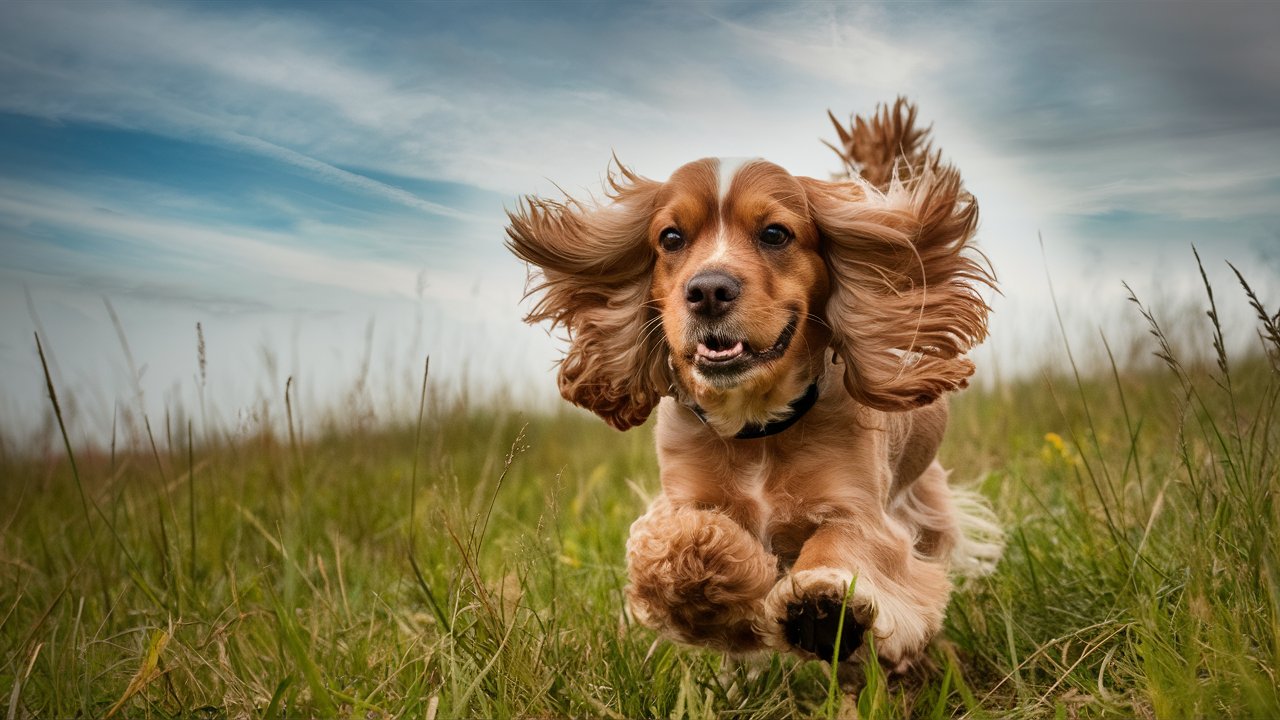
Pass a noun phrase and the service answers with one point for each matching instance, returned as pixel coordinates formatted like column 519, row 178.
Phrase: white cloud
column 228, row 251
column 720, row 81
column 1045, row 125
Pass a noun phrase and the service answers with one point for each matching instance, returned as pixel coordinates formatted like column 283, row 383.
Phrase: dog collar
column 798, row 407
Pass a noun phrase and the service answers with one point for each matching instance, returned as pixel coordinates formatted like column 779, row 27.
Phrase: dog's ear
column 885, row 146
column 904, row 306
column 591, row 271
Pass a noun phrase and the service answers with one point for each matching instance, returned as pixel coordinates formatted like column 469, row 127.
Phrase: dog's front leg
column 698, row 576
column 899, row 596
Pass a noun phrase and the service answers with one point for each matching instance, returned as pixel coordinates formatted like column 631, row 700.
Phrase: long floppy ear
column 886, row 147
column 904, row 305
column 591, row 271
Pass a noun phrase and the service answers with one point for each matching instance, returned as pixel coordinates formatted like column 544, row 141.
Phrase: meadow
column 468, row 562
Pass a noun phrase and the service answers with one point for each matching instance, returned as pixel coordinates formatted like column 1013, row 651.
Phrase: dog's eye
column 671, row 240
column 775, row 235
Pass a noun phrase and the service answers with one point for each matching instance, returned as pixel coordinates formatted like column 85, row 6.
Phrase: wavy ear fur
column 885, row 148
column 904, row 305
column 591, row 271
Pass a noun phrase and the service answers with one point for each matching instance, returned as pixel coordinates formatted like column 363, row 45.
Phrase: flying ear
column 904, row 305
column 885, row 146
column 591, row 267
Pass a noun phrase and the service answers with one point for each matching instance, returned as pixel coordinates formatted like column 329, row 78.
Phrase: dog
column 798, row 338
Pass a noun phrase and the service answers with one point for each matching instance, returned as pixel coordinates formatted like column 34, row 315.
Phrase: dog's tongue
column 708, row 353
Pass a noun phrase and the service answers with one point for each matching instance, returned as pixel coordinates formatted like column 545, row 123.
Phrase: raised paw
column 813, row 625
column 698, row 577
column 804, row 611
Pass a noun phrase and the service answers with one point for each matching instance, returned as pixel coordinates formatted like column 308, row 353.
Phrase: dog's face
column 740, row 284
column 726, row 286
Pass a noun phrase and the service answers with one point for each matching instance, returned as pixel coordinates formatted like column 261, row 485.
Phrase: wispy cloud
column 258, row 82
column 1098, row 108
column 201, row 253
column 344, row 177
column 349, row 152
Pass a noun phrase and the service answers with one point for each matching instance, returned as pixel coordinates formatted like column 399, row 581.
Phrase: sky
column 322, row 186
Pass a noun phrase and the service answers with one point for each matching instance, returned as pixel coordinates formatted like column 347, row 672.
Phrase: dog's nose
column 711, row 293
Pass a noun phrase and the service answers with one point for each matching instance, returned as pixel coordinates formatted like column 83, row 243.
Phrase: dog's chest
column 762, row 496
column 752, row 487
column 779, row 489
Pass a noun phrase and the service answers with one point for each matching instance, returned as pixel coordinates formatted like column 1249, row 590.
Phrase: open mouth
column 717, row 354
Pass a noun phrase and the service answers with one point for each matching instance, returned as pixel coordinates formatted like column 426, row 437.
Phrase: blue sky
column 318, row 182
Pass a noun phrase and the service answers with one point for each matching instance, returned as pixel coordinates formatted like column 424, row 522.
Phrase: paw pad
column 812, row 624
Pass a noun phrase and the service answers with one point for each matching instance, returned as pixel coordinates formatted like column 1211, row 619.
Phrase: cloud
column 197, row 251
column 256, row 82
column 553, row 97
column 344, row 177
column 1097, row 110
column 1124, row 106
column 1120, row 132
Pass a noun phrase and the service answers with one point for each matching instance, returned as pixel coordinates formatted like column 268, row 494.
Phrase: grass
column 469, row 564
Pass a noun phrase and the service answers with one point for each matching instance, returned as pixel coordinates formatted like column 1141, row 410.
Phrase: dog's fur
column 867, row 287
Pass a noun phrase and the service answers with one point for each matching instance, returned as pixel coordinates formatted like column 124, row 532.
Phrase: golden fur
column 867, row 287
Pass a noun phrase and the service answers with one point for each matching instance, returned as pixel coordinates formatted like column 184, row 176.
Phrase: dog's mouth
column 722, row 355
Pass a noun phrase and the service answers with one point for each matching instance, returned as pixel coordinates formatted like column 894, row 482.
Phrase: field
column 469, row 563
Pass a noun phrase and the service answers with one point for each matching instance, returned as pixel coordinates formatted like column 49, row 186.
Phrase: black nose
column 711, row 293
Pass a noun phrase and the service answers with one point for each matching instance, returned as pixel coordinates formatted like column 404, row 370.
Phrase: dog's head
column 726, row 285
column 740, row 284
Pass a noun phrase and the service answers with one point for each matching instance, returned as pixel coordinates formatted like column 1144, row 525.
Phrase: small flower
column 1055, row 449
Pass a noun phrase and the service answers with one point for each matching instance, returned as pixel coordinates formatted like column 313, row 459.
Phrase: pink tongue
column 708, row 353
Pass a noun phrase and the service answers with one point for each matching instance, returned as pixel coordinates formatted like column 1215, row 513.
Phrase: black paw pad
column 812, row 623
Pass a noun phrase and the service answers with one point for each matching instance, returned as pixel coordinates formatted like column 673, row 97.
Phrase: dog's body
column 803, row 334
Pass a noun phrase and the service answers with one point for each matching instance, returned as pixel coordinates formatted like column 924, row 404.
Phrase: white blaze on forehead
column 728, row 169
column 722, row 246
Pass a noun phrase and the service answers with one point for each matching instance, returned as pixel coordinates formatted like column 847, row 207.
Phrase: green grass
column 472, row 566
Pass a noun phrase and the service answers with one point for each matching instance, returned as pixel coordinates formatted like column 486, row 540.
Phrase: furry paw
column 698, row 577
column 803, row 614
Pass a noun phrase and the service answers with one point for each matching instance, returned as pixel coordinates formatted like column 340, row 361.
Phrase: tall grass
column 468, row 563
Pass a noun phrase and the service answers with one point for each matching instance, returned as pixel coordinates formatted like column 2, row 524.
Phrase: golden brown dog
column 797, row 337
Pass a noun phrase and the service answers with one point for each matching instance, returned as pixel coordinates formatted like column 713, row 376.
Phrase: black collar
column 798, row 407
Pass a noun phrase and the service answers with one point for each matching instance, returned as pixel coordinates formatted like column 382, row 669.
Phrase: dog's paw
column 698, row 577
column 803, row 612
column 813, row 625
column 805, row 609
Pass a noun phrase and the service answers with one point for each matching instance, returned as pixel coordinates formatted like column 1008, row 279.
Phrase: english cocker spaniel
column 798, row 338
